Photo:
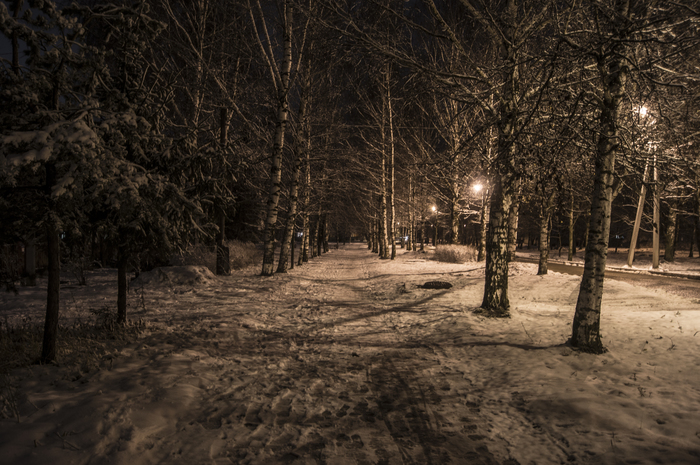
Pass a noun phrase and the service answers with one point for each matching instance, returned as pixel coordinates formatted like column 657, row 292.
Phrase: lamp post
column 435, row 238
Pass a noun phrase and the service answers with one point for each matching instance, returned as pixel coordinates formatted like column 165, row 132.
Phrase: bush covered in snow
column 455, row 253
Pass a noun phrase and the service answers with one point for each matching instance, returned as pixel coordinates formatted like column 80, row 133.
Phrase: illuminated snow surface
column 345, row 360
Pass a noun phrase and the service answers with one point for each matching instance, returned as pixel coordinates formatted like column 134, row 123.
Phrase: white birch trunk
column 392, row 187
column 586, row 325
column 383, row 233
column 276, row 162
column 495, row 302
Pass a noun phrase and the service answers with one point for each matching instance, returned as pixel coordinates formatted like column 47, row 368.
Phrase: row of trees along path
column 143, row 129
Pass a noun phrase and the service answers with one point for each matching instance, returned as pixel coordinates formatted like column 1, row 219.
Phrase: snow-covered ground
column 346, row 360
column 682, row 265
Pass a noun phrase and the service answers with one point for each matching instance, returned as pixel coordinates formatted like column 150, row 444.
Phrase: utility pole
column 638, row 218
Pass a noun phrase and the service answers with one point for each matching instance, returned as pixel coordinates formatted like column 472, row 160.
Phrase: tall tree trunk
column 585, row 333
column 453, row 231
column 48, row 348
column 437, row 225
column 375, row 235
column 388, row 154
column 122, row 261
column 545, row 225
column 383, row 233
column 411, row 215
column 513, row 217
column 483, row 225
column 320, row 234
column 305, row 148
column 53, row 251
column 671, row 230
column 495, row 302
column 288, row 235
column 304, row 246
column 304, row 253
column 223, row 262
column 291, row 251
column 572, row 222
column 696, row 210
column 546, row 211
column 656, row 229
column 326, row 234
column 313, row 236
column 277, row 151
column 30, row 263
column 381, row 227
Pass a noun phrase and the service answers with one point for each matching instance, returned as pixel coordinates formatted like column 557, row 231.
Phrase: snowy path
column 345, row 360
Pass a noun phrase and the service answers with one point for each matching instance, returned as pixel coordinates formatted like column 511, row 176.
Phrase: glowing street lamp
column 435, row 210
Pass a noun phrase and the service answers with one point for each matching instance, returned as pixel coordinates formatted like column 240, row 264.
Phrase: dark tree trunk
column 671, row 230
column 454, row 223
column 53, row 251
column 223, row 263
column 411, row 240
column 48, row 348
column 30, row 263
column 122, row 286
column 291, row 251
column 304, row 246
column 692, row 242
column 696, row 223
column 319, row 236
column 313, row 235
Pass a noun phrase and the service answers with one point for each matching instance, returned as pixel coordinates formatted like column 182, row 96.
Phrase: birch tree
column 280, row 71
column 608, row 35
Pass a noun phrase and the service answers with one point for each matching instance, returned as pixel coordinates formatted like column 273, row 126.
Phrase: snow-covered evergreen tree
column 81, row 131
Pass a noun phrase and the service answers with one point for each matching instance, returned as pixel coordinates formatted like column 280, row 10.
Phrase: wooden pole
column 638, row 218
